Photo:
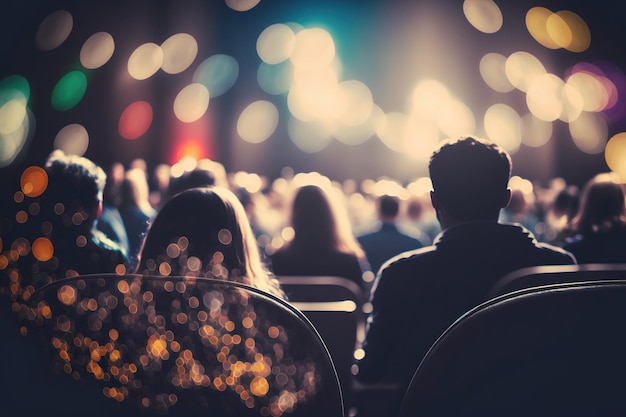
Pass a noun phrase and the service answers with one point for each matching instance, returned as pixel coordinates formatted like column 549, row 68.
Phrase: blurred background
column 353, row 89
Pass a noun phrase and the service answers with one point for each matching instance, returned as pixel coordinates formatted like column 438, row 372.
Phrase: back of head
column 199, row 223
column 75, row 186
column 312, row 218
column 204, row 232
column 603, row 205
column 470, row 177
column 388, row 206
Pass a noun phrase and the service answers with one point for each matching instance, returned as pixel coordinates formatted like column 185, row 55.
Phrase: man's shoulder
column 410, row 259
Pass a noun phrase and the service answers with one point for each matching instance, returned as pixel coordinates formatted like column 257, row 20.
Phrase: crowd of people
column 426, row 254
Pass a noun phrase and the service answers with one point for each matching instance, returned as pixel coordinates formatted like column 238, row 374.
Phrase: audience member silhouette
column 205, row 232
column 417, row 295
column 323, row 242
column 598, row 231
column 559, row 214
column 387, row 240
column 60, row 238
column 110, row 221
column 204, row 173
column 135, row 210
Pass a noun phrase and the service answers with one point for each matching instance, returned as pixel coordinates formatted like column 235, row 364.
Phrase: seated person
column 418, row 294
column 323, row 242
column 598, row 231
column 204, row 232
column 387, row 240
column 62, row 234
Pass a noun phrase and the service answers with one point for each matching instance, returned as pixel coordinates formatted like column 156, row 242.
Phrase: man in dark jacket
column 418, row 294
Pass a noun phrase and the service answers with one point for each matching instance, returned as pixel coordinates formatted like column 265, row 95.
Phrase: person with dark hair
column 59, row 239
column 135, row 210
column 323, row 243
column 204, row 232
column 110, row 221
column 418, row 294
column 387, row 240
column 598, row 231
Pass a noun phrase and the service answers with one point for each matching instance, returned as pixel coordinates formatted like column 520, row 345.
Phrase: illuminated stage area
column 353, row 90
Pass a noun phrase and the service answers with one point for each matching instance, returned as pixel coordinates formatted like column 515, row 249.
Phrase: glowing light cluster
column 563, row 29
column 16, row 119
column 150, row 340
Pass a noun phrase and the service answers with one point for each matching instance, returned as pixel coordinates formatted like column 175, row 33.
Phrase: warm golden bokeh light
column 191, row 103
column 521, row 68
column 276, row 43
column 179, row 52
column 258, row 121
column 34, row 181
column 545, row 97
column 314, row 49
column 580, row 35
column 43, row 249
column 484, row 15
column 589, row 132
column 535, row 132
column 503, row 126
column 492, row 70
column 97, row 50
column 615, row 154
column 563, row 29
column 145, row 61
column 536, row 23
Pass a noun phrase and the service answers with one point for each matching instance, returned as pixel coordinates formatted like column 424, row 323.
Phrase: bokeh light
column 217, row 73
column 179, row 52
column 11, row 144
column 69, row 91
column 276, row 43
column 242, row 5
column 314, row 49
column 73, row 139
column 564, row 29
column 135, row 120
column 145, row 61
column 484, row 15
column 572, row 33
column 492, row 70
column 310, row 136
column 275, row 79
column 34, row 181
column 503, row 126
column 535, row 132
column 358, row 102
column 43, row 249
column 97, row 50
column 191, row 103
column 521, row 68
column 257, row 121
column 545, row 97
column 615, row 154
column 54, row 30
column 589, row 132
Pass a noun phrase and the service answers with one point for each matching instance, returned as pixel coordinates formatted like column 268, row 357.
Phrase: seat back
column 180, row 346
column 545, row 351
column 333, row 304
column 553, row 274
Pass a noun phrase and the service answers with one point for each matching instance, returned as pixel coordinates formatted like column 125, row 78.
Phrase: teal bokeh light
column 217, row 73
column 69, row 90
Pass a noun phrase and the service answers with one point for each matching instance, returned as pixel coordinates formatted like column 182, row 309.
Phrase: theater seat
column 553, row 274
column 557, row 350
column 169, row 346
column 333, row 305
